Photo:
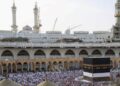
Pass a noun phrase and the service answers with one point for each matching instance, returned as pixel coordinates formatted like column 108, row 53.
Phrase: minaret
column 116, row 27
column 37, row 24
column 14, row 26
column 117, row 13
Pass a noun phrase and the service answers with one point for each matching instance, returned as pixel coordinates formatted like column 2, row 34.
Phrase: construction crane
column 55, row 24
column 69, row 29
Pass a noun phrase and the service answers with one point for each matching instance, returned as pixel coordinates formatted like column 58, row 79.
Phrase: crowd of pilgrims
column 60, row 78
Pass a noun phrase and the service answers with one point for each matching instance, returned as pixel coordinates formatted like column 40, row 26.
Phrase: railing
column 22, row 57
column 76, row 45
column 69, row 56
column 5, row 58
column 24, row 45
column 39, row 56
column 55, row 56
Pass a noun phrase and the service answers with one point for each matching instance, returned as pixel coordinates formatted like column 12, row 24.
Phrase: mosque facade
column 31, row 50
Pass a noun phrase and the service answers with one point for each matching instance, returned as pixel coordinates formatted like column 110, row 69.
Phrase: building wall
column 52, row 62
column 113, row 52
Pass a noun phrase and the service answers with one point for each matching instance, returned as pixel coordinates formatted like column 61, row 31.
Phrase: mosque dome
column 27, row 28
column 46, row 83
column 7, row 82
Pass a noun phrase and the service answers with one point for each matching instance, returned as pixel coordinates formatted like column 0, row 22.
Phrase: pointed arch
column 19, row 67
column 110, row 52
column 71, row 63
column 55, row 53
column 83, row 52
column 37, row 66
column 7, row 53
column 70, row 52
column 9, row 68
column 43, row 66
column 55, row 63
column 96, row 52
column 119, row 54
column 14, row 66
column 39, row 53
column 25, row 66
column 23, row 53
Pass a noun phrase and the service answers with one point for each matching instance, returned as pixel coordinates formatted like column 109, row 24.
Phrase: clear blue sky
column 93, row 15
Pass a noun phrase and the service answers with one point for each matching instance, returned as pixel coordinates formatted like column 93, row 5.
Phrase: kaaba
column 96, row 69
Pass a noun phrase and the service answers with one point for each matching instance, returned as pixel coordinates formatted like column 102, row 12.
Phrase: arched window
column 109, row 52
column 55, row 53
column 96, row 52
column 83, row 52
column 69, row 52
column 23, row 53
column 39, row 53
column 7, row 53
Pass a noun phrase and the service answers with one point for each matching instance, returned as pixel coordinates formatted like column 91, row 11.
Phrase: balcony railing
column 23, row 57
column 55, row 56
column 76, row 45
column 39, row 56
column 70, row 56
column 6, row 58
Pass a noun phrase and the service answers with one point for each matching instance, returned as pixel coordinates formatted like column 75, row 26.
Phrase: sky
column 91, row 15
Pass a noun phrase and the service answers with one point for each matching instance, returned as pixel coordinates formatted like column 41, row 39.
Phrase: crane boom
column 55, row 24
column 69, row 29
column 74, row 27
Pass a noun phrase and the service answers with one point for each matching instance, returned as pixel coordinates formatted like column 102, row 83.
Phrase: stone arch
column 70, row 52
column 39, row 53
column 19, row 67
column 111, row 63
column 23, row 53
column 81, row 64
column 37, row 66
column 9, row 68
column 60, row 62
column 43, row 66
column 54, row 63
column 66, row 65
column 83, row 52
column 119, row 54
column 14, row 67
column 119, row 64
column 31, row 66
column 0, row 69
column 115, row 64
column 110, row 52
column 7, row 54
column 96, row 52
column 55, row 53
column 71, row 65
column 55, row 66
column 60, row 65
column 76, row 65
column 25, row 66
column 4, row 66
column 49, row 67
